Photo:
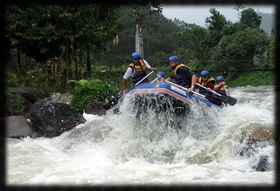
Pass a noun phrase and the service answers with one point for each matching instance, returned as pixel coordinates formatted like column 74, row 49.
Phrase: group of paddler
column 215, row 90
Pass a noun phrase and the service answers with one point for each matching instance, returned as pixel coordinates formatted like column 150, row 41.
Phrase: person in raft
column 136, row 70
column 182, row 74
column 206, row 81
column 160, row 77
column 220, row 86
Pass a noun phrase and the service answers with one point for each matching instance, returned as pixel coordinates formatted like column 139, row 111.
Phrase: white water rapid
column 151, row 149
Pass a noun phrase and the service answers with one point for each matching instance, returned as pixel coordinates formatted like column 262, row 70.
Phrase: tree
column 46, row 31
column 158, row 36
column 250, row 18
column 160, row 39
column 217, row 25
column 238, row 50
column 272, row 50
column 195, row 40
column 159, row 59
column 141, row 12
column 31, row 34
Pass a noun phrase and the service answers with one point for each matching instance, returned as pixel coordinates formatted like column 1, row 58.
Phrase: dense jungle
column 85, row 49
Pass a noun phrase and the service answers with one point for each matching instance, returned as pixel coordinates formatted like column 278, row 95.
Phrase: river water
column 155, row 149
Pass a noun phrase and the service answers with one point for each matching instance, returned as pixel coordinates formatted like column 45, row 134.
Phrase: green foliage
column 238, row 50
column 196, row 40
column 75, row 33
column 250, row 18
column 123, row 60
column 217, row 26
column 18, row 103
column 159, row 59
column 44, row 32
column 12, row 80
column 90, row 91
column 141, row 12
column 157, row 30
column 272, row 53
column 252, row 79
column 31, row 29
column 182, row 54
column 82, row 83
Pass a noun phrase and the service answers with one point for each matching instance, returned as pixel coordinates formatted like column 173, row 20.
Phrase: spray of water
column 151, row 147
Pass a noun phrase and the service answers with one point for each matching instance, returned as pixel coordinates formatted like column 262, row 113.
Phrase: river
column 151, row 150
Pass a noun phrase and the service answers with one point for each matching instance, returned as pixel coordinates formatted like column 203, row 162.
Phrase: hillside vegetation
column 52, row 45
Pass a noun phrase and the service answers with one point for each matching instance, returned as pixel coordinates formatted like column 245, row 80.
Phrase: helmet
column 161, row 74
column 173, row 58
column 219, row 78
column 135, row 55
column 204, row 73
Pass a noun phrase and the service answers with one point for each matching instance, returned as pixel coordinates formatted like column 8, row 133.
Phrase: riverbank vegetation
column 50, row 46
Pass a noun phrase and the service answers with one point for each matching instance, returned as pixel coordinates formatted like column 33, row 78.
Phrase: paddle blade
column 112, row 103
column 229, row 100
column 216, row 101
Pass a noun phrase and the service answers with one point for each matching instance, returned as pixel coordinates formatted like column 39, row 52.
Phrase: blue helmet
column 135, row 55
column 204, row 73
column 173, row 58
column 161, row 74
column 219, row 78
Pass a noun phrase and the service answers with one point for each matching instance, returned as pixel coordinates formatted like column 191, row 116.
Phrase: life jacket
column 139, row 72
column 205, row 84
column 222, row 90
column 181, row 80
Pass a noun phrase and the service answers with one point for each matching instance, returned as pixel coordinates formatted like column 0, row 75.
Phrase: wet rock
column 18, row 127
column 256, row 141
column 261, row 134
column 256, row 138
column 20, row 100
column 95, row 108
column 30, row 90
column 263, row 164
column 52, row 119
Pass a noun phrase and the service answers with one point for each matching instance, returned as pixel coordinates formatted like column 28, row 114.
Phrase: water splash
column 151, row 148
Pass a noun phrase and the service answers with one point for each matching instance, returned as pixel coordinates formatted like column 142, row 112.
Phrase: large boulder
column 52, row 119
column 260, row 134
column 18, row 127
column 20, row 100
column 255, row 140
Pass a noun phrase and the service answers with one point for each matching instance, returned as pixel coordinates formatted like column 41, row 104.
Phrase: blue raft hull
column 161, row 96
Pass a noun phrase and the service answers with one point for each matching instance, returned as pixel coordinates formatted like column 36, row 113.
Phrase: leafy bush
column 16, row 103
column 89, row 91
column 253, row 79
column 12, row 80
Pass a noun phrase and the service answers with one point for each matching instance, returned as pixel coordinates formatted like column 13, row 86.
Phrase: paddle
column 216, row 101
column 226, row 99
column 154, row 80
column 211, row 99
column 115, row 101
column 225, row 90
column 226, row 93
column 184, row 88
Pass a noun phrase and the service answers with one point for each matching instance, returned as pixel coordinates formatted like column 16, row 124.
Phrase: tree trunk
column 68, row 60
column 81, row 65
column 76, row 68
column 19, row 62
column 139, row 43
column 88, row 61
column 55, row 67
